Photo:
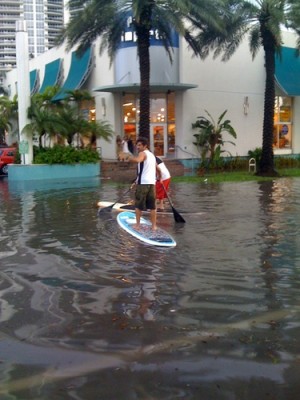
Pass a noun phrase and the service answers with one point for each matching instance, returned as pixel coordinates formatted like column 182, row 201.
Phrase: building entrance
column 158, row 139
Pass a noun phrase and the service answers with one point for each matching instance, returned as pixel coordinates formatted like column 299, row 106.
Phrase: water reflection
column 89, row 312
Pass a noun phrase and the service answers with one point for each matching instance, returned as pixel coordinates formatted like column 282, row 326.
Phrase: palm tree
column 8, row 115
column 63, row 118
column 108, row 19
column 5, row 124
column 73, row 123
column 44, row 119
column 262, row 20
column 78, row 96
column 72, row 111
column 98, row 129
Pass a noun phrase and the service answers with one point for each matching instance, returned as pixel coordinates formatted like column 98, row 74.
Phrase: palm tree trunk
column 266, row 165
column 143, row 45
column 144, row 127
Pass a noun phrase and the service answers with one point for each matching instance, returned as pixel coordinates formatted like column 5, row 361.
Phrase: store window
column 162, row 120
column 130, row 116
column 282, row 132
column 158, row 108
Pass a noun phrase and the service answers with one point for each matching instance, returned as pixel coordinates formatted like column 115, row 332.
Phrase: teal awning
column 154, row 87
column 79, row 71
column 51, row 75
column 287, row 71
column 34, row 81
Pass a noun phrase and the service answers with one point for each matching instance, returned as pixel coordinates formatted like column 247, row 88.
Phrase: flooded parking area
column 89, row 312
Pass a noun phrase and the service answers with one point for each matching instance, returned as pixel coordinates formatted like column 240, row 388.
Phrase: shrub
column 287, row 162
column 236, row 164
column 209, row 139
column 256, row 153
column 64, row 155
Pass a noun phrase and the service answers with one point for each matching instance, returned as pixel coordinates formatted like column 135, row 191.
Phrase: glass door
column 158, row 139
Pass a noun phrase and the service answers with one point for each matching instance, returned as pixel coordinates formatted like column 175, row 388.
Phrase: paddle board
column 130, row 207
column 159, row 237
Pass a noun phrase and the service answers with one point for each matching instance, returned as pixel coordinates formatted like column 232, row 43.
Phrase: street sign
column 23, row 147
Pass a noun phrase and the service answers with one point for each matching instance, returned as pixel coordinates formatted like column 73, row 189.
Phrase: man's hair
column 142, row 140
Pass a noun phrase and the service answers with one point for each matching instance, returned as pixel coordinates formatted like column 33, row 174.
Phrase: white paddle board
column 117, row 207
column 159, row 237
column 130, row 207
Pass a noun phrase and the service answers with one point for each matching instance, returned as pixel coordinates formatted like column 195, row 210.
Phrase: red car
column 7, row 156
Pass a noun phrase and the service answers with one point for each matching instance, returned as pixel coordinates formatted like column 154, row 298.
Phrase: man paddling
column 145, row 195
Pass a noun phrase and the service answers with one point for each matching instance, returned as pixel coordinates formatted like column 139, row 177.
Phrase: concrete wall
column 43, row 172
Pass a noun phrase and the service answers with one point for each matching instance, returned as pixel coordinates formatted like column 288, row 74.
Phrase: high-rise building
column 44, row 19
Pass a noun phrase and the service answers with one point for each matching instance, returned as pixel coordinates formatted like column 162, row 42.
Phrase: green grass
column 236, row 176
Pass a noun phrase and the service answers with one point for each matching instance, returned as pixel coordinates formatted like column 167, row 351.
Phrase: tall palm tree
column 262, row 20
column 108, row 19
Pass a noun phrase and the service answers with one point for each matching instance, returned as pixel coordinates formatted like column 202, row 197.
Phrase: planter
column 17, row 172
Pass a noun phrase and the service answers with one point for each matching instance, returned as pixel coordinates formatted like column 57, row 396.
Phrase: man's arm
column 158, row 173
column 139, row 158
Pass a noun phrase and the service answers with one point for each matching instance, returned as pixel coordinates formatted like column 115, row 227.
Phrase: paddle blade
column 109, row 208
column 177, row 216
column 106, row 209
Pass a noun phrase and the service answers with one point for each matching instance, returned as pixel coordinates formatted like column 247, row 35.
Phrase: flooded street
column 89, row 312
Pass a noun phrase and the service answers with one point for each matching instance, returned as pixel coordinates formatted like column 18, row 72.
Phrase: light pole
column 23, row 85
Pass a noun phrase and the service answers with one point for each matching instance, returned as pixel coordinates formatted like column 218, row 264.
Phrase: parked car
column 7, row 156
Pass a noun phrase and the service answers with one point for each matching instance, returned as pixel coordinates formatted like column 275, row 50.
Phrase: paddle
column 109, row 208
column 177, row 216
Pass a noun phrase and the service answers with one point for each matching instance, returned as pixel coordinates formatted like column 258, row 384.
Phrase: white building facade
column 180, row 92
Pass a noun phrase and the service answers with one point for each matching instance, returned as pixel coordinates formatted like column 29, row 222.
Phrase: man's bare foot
column 136, row 227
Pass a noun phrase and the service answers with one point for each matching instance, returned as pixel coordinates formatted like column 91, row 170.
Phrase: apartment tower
column 44, row 19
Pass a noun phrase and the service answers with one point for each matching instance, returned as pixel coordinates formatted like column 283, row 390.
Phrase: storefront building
column 181, row 90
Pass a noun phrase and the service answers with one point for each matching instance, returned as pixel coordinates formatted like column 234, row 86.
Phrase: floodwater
column 88, row 312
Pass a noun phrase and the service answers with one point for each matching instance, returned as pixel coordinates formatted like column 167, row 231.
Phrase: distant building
column 44, row 19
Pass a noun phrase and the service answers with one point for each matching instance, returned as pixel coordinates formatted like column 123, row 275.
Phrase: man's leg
column 153, row 218
column 138, row 214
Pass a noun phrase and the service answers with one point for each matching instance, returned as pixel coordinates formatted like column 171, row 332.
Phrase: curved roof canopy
column 51, row 75
column 287, row 71
column 34, row 81
column 79, row 71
